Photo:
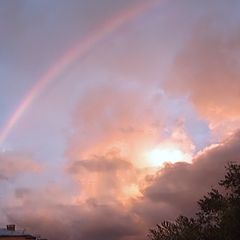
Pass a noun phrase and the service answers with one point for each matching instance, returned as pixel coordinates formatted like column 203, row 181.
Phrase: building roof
column 17, row 233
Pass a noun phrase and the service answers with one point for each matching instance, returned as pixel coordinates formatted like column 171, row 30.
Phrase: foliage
column 217, row 219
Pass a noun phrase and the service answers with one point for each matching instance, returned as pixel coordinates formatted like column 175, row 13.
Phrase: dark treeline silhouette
column 217, row 219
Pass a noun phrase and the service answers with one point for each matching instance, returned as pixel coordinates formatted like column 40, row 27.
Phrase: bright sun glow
column 159, row 156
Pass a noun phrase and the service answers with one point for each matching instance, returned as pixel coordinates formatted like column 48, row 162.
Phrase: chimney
column 11, row 227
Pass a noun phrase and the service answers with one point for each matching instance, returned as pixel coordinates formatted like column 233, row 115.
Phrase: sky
column 115, row 115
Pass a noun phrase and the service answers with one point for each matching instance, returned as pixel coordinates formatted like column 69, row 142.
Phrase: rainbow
column 83, row 47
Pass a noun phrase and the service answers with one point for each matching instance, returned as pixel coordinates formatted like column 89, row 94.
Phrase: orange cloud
column 108, row 152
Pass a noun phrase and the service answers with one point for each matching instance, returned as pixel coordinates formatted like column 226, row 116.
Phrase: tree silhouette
column 217, row 219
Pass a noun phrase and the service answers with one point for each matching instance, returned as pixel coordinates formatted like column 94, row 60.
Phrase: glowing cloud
column 158, row 156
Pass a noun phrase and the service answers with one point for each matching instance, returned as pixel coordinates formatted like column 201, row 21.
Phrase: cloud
column 99, row 164
column 15, row 167
column 207, row 67
column 107, row 178
column 133, row 118
column 86, row 221
column 22, row 192
column 176, row 188
column 107, row 189
column 13, row 164
column 172, row 190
